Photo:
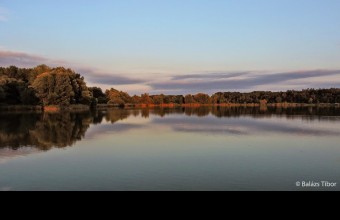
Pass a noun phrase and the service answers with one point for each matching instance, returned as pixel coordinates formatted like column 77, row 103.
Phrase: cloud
column 187, row 83
column 21, row 59
column 210, row 76
column 27, row 60
column 242, row 80
column 108, row 79
column 282, row 77
column 3, row 14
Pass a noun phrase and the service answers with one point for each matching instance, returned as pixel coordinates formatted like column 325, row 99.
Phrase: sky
column 178, row 46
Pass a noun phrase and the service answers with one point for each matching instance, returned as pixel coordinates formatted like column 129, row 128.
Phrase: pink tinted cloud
column 21, row 59
column 8, row 58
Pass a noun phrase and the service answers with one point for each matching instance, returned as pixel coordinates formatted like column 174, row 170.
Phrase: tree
column 202, row 98
column 28, row 96
column 145, row 99
column 158, row 99
column 136, row 99
column 99, row 95
column 62, row 87
column 32, row 74
column 10, row 91
column 2, row 94
column 13, row 72
column 189, row 99
column 167, row 99
column 216, row 98
column 82, row 93
column 54, row 88
column 278, row 100
column 117, row 97
column 179, row 99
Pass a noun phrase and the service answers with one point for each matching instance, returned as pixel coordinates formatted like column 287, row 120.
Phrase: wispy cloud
column 185, row 83
column 108, row 79
column 210, row 76
column 4, row 13
column 244, row 80
column 21, row 59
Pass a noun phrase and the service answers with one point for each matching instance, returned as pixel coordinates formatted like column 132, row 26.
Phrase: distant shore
column 138, row 106
column 283, row 105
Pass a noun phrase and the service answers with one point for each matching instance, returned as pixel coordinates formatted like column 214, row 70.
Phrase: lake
column 171, row 149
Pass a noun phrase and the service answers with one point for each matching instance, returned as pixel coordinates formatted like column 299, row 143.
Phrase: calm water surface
column 170, row 149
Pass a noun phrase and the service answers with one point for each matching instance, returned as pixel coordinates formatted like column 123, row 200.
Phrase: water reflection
column 46, row 131
column 313, row 113
column 43, row 131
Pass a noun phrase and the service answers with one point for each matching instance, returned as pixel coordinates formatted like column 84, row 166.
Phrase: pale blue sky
column 157, row 39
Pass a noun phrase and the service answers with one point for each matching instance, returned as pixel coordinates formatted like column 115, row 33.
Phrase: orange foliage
column 192, row 105
column 52, row 108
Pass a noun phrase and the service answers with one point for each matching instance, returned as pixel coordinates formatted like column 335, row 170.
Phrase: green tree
column 54, row 88
column 99, row 95
column 82, row 94
column 62, row 87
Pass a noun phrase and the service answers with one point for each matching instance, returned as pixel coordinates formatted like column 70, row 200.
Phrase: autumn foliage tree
column 146, row 99
column 118, row 97
column 62, row 87
column 202, row 98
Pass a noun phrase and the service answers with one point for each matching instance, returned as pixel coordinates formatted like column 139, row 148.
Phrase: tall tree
column 62, row 87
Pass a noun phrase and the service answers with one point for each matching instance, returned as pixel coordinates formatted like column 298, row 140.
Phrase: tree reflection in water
column 49, row 130
column 43, row 131
column 59, row 130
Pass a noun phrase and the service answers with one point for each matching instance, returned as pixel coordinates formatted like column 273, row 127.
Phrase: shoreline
column 143, row 106
column 277, row 105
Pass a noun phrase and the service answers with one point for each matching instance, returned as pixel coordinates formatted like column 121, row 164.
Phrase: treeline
column 46, row 86
column 308, row 96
